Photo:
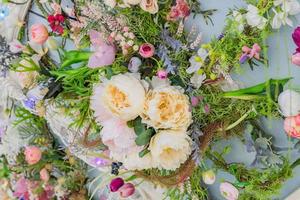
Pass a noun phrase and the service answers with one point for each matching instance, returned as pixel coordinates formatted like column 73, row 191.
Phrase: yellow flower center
column 198, row 59
column 118, row 99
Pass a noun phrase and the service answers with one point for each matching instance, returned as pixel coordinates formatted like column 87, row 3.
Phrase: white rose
column 122, row 96
column 166, row 107
column 150, row 6
column 289, row 103
column 170, row 148
column 132, row 2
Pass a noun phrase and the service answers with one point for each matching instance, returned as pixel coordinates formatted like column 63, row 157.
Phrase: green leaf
column 130, row 178
column 144, row 138
column 144, row 152
column 139, row 127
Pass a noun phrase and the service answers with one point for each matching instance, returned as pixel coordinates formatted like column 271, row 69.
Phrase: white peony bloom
column 134, row 162
column 289, row 103
column 197, row 61
column 170, row 148
column 122, row 96
column 167, row 107
column 254, row 19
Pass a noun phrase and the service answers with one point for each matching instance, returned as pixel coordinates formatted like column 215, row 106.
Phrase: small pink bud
column 296, row 59
column 146, row 50
column 44, row 175
column 32, row 155
column 206, row 109
column 162, row 74
column 194, row 101
column 116, row 184
column 126, row 29
column 38, row 33
column 127, row 190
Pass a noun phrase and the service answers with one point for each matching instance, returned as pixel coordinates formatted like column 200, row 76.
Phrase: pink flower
column 104, row 54
column 194, row 101
column 296, row 38
column 56, row 22
column 296, row 59
column 116, row 184
column 292, row 126
column 16, row 46
column 146, row 50
column 39, row 33
column 21, row 189
column 32, row 155
column 127, row 190
column 162, row 74
column 44, row 175
column 179, row 11
column 250, row 53
column 228, row 191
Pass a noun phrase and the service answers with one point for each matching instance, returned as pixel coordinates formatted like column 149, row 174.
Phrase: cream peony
column 122, row 96
column 150, row 6
column 166, row 107
column 170, row 148
column 134, row 162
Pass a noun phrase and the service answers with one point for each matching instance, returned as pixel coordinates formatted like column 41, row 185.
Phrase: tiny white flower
column 197, row 61
column 280, row 19
column 239, row 19
column 254, row 19
column 197, row 80
column 291, row 7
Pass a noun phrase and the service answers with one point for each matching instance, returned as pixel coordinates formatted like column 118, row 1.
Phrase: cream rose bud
column 122, row 96
column 170, row 148
column 150, row 6
column 289, row 103
column 166, row 107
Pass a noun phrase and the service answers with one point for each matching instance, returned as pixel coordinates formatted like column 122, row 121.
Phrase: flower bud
column 116, row 184
column 127, row 190
column 209, row 177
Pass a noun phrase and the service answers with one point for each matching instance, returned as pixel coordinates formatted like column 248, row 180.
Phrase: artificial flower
column 44, row 175
column 104, row 54
column 209, row 177
column 134, row 64
column 38, row 33
column 170, row 148
column 162, row 74
column 292, row 126
column 167, row 107
column 197, row 79
column 150, row 6
column 16, row 46
column 197, row 61
column 254, row 19
column 4, row 12
column 228, row 191
column 146, row 50
column 289, row 103
column 116, row 184
column 296, row 59
column 127, row 190
column 33, row 155
column 56, row 22
column 179, row 11
column 296, row 38
column 281, row 18
column 122, row 96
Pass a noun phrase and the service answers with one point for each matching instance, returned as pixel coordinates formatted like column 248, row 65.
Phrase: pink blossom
column 116, row 184
column 296, row 38
column 127, row 190
column 32, row 155
column 44, row 175
column 162, row 74
column 296, row 59
column 21, row 189
column 16, row 46
column 179, row 11
column 292, row 126
column 194, row 101
column 228, row 191
column 104, row 54
column 146, row 50
column 38, row 33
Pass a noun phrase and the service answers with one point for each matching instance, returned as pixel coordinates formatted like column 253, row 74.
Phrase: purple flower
column 116, row 184
column 30, row 103
column 100, row 162
column 221, row 36
column 296, row 37
column 244, row 58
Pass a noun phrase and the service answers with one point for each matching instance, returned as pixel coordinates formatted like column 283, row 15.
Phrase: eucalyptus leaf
column 144, row 137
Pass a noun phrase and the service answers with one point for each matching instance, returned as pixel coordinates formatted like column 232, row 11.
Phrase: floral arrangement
column 142, row 100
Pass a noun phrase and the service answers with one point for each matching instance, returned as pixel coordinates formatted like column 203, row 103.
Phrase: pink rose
column 179, row 11
column 44, row 175
column 228, row 191
column 296, row 59
column 32, row 155
column 39, row 33
column 162, row 74
column 292, row 126
column 127, row 190
column 147, row 50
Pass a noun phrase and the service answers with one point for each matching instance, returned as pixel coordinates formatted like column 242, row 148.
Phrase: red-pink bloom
column 38, row 33
column 56, row 22
column 179, row 11
column 292, row 126
column 44, row 175
column 296, row 38
column 296, row 59
column 127, row 190
column 147, row 50
column 21, row 189
column 116, row 184
column 162, row 74
column 32, row 155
